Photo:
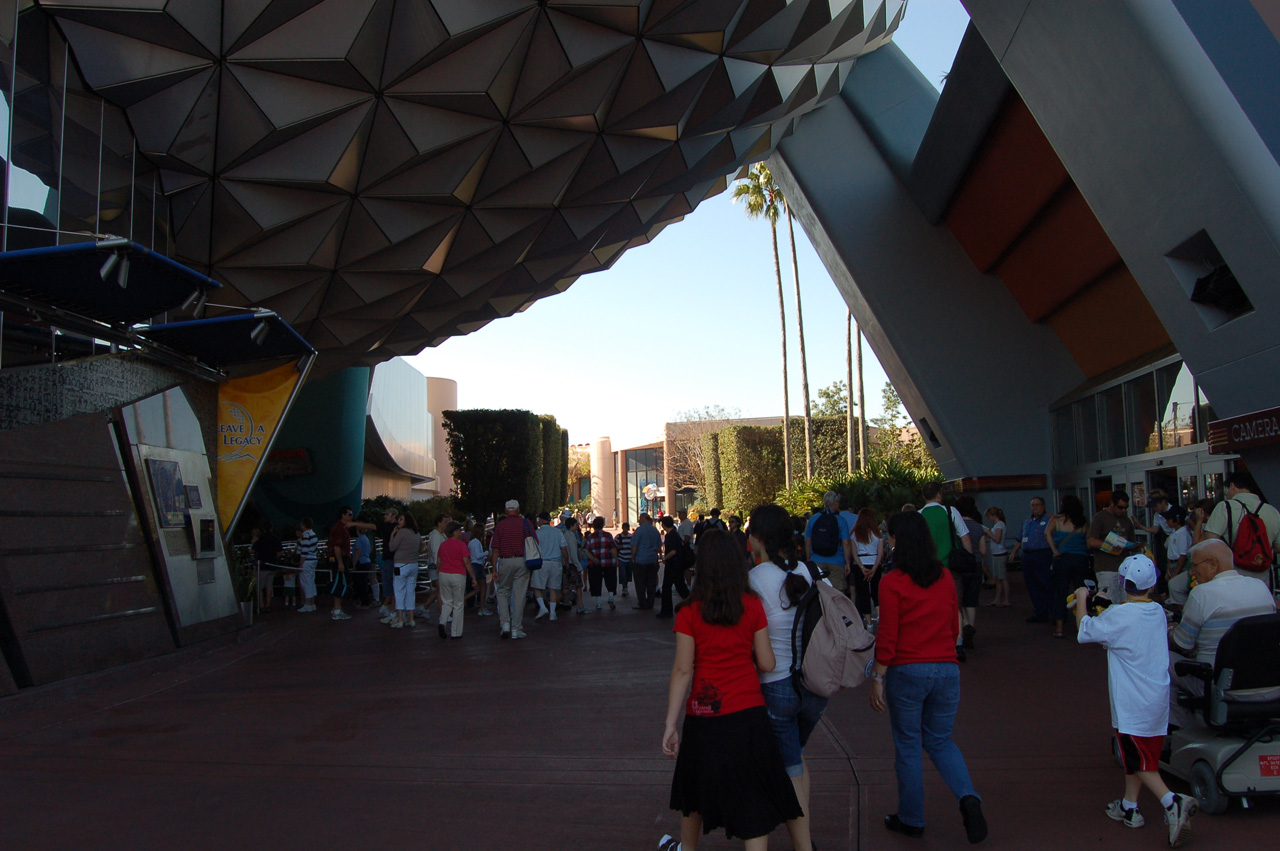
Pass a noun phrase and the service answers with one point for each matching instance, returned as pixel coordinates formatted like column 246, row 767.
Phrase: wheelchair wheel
column 1204, row 785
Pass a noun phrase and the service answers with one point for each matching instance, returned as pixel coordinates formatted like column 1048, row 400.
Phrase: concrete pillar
column 927, row 313
column 602, row 480
column 442, row 395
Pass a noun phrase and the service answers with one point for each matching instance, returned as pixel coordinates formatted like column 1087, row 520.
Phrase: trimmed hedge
column 750, row 466
column 714, row 493
column 499, row 455
column 830, row 447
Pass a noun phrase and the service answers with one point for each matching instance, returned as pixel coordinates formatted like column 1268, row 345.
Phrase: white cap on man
column 513, row 505
column 1139, row 570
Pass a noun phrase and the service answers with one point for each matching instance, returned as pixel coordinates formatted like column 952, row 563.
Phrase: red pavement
column 310, row 733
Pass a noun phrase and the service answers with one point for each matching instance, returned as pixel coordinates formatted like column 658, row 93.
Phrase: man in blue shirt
column 645, row 544
column 1037, row 562
column 837, row 563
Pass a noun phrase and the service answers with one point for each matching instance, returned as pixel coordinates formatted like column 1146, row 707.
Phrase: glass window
column 1111, row 434
column 1064, row 439
column 1140, row 414
column 1176, row 400
column 1214, row 487
column 1188, row 490
column 1204, row 415
column 1086, row 414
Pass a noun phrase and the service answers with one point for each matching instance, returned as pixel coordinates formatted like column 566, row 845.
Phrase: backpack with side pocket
column 1251, row 549
column 831, row 649
column 824, row 540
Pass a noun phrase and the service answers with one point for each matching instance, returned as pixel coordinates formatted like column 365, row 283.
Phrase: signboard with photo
column 168, row 492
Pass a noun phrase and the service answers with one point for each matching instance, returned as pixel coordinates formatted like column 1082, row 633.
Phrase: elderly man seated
column 1221, row 597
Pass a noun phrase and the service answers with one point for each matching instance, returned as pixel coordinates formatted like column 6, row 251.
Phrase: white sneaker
column 506, row 631
column 1178, row 818
column 388, row 619
column 1129, row 818
column 598, row 605
column 306, row 608
column 542, row 613
column 339, row 615
column 553, row 615
column 385, row 610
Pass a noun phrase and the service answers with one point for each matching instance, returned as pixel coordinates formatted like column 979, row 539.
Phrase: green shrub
column 885, row 486
column 496, row 455
column 425, row 511
column 714, row 494
column 830, row 447
column 750, row 466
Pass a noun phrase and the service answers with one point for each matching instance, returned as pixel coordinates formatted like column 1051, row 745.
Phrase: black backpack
column 825, row 538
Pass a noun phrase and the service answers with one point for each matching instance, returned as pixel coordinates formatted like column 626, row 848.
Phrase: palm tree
column 848, row 390
column 804, row 368
column 862, row 398
column 761, row 197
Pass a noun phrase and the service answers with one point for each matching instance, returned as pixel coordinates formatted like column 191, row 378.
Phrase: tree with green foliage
column 832, row 401
column 895, row 442
column 762, row 197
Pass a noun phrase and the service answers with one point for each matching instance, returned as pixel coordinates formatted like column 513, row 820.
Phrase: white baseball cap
column 1139, row 570
column 513, row 505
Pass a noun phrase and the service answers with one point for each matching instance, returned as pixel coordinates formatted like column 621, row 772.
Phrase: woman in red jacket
column 916, row 676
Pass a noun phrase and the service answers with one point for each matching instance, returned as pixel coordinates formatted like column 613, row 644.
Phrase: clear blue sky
column 686, row 321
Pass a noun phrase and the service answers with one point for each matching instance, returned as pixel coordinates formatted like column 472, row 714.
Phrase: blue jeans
column 792, row 717
column 922, row 700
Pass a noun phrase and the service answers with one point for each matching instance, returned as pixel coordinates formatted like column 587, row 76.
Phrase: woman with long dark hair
column 781, row 580
column 406, row 543
column 1066, row 536
column 728, row 770
column 917, row 677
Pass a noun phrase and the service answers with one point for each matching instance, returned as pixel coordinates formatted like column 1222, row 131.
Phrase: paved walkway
column 310, row 733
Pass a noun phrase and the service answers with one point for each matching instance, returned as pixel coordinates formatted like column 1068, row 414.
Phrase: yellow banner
column 249, row 412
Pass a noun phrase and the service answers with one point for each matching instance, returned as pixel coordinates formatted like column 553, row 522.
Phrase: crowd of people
column 916, row 576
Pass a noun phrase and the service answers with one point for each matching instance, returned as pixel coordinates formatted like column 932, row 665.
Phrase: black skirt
column 729, row 771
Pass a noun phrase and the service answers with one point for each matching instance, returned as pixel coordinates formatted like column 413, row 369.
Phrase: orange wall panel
column 1109, row 324
column 1065, row 252
column 1014, row 174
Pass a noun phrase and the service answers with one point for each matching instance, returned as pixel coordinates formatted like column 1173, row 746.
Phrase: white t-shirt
column 867, row 551
column 998, row 548
column 550, row 540
column 1137, row 665
column 685, row 528
column 1178, row 545
column 766, row 580
column 434, row 540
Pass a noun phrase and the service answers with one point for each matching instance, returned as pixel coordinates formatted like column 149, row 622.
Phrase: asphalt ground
column 309, row 733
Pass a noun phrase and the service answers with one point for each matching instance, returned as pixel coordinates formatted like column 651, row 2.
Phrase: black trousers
column 672, row 578
column 646, row 579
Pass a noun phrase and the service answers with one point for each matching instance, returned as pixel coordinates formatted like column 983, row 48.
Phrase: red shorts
column 1140, row 753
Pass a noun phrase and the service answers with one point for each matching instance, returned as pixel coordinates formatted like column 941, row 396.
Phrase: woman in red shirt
column 728, row 770
column 917, row 677
column 453, row 558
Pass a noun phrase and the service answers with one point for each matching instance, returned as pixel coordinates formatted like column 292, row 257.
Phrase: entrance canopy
column 113, row 281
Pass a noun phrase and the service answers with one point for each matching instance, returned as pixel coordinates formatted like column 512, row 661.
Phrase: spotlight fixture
column 259, row 332
column 109, row 266
column 195, row 303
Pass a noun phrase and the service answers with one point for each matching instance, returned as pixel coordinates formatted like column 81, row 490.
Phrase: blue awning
column 114, row 281
column 231, row 340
